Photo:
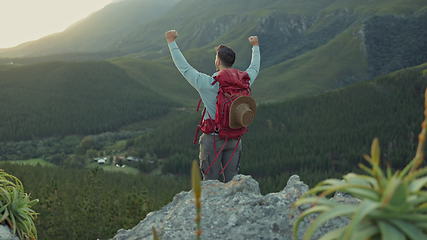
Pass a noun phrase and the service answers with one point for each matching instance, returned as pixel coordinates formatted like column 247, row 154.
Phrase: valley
column 334, row 75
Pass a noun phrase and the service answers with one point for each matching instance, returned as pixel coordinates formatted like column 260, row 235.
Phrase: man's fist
column 171, row 35
column 253, row 40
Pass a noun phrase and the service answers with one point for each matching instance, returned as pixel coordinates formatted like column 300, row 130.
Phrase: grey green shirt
column 203, row 82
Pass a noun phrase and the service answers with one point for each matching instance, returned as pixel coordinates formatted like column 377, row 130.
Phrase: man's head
column 225, row 57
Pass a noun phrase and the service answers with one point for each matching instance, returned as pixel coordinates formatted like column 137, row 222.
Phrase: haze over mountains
column 96, row 33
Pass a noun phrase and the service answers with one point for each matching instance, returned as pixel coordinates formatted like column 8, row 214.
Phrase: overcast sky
column 25, row 20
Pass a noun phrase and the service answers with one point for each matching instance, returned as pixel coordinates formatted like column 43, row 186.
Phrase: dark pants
column 207, row 156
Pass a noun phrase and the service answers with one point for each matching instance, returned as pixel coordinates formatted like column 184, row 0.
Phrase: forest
column 315, row 137
column 92, row 204
column 72, row 98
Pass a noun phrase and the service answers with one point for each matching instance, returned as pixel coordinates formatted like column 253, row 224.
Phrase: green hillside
column 316, row 137
column 164, row 79
column 302, row 55
column 59, row 98
column 338, row 63
column 393, row 42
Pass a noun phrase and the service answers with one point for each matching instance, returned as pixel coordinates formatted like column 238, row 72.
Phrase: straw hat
column 242, row 112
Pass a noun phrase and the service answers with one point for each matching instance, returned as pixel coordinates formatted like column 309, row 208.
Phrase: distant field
column 109, row 168
column 32, row 162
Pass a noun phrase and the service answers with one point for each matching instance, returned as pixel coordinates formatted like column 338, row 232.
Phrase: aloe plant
column 15, row 207
column 393, row 204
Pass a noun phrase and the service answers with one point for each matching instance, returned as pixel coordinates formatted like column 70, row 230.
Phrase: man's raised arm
column 197, row 79
column 253, row 69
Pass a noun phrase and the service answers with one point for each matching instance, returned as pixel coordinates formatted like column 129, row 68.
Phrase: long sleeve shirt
column 203, row 82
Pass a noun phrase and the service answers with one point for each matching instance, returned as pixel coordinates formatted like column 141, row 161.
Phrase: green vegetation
column 16, row 207
column 92, row 204
column 72, row 98
column 31, row 162
column 309, row 136
column 163, row 79
column 384, row 38
column 338, row 49
column 276, row 146
column 110, row 168
column 392, row 205
column 68, row 113
column 308, row 47
column 335, row 64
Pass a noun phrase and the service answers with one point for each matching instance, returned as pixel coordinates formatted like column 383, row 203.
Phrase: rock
column 6, row 233
column 234, row 210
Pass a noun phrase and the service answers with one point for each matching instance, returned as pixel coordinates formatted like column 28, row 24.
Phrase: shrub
column 393, row 204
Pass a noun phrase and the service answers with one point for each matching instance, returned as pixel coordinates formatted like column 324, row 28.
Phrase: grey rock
column 6, row 233
column 234, row 210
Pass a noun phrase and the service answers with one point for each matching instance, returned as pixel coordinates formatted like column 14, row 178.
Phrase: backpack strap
column 199, row 127
column 198, row 105
column 216, row 155
column 231, row 157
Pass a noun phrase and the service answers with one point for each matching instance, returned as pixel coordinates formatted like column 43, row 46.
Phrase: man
column 212, row 165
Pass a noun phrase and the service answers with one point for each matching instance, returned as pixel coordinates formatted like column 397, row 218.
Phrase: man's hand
column 253, row 40
column 171, row 35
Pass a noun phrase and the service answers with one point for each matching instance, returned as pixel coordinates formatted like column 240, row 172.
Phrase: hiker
column 220, row 142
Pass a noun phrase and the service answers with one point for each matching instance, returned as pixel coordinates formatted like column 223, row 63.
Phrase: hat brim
column 240, row 100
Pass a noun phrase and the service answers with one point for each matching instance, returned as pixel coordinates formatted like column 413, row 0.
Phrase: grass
column 173, row 116
column 163, row 79
column 110, row 168
column 32, row 162
column 44, row 163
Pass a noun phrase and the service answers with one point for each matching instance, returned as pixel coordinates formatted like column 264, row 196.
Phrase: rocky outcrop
column 6, row 233
column 234, row 210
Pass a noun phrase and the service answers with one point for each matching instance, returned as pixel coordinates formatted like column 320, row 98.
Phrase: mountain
column 317, row 136
column 63, row 98
column 308, row 46
column 97, row 33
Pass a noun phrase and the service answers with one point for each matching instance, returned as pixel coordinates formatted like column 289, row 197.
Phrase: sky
column 25, row 20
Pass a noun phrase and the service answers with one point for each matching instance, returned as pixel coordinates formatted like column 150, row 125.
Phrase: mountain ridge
column 307, row 47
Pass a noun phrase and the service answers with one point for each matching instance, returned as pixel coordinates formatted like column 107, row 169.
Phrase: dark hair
column 226, row 55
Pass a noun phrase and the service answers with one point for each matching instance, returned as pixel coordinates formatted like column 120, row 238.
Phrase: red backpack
column 233, row 84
